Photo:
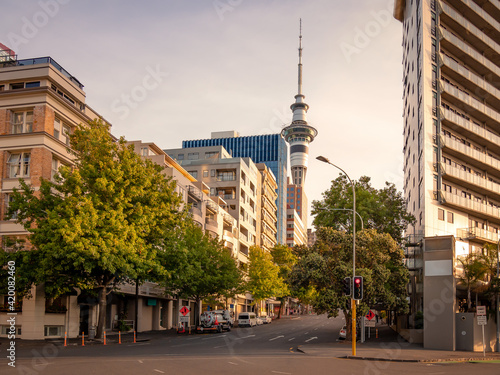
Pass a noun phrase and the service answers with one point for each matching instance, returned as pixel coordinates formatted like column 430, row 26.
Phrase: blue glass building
column 270, row 149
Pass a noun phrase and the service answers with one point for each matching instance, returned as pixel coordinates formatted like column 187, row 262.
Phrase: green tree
column 474, row 269
column 102, row 221
column 381, row 209
column 264, row 280
column 379, row 260
column 204, row 268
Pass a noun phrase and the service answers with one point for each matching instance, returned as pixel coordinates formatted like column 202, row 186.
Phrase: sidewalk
column 389, row 346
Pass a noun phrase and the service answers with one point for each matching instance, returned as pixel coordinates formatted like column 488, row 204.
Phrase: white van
column 247, row 319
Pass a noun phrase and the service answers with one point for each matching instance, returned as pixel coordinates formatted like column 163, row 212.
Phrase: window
column 144, row 151
column 55, row 168
column 19, row 165
column 213, row 191
column 193, row 156
column 8, row 200
column 440, row 214
column 22, row 122
column 62, row 131
column 211, row 154
column 17, row 86
column 205, row 173
column 2, row 87
column 193, row 173
column 450, row 217
column 180, row 157
column 53, row 331
column 212, row 173
column 32, row 84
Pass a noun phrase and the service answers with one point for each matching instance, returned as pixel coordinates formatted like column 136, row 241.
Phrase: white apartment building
column 451, row 59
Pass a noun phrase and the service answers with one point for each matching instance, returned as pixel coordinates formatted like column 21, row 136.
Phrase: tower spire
column 300, row 57
column 299, row 133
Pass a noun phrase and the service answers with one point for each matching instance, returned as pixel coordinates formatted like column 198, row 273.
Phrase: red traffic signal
column 358, row 288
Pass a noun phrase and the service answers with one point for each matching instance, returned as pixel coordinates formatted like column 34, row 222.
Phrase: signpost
column 184, row 313
column 369, row 321
column 482, row 321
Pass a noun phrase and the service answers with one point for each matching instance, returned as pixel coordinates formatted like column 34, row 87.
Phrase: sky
column 165, row 71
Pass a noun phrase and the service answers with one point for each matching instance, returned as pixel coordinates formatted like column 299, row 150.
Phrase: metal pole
column 353, row 302
column 498, row 304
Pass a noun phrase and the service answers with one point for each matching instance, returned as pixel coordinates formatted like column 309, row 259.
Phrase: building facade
column 268, row 212
column 270, row 149
column 296, row 232
column 451, row 59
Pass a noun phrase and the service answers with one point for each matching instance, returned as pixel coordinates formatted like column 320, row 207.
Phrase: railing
column 470, row 204
column 226, row 178
column 43, row 60
column 474, row 154
column 195, row 192
column 471, row 178
column 477, row 233
column 210, row 221
column 195, row 211
column 211, row 205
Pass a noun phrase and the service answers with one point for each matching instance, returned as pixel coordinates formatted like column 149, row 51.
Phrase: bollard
column 376, row 333
column 65, row 337
column 83, row 339
column 134, row 337
column 119, row 337
column 104, row 337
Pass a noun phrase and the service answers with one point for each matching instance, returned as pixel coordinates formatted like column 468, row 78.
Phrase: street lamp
column 498, row 304
column 353, row 302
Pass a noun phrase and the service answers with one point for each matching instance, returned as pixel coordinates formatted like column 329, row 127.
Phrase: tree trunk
column 101, row 324
column 468, row 299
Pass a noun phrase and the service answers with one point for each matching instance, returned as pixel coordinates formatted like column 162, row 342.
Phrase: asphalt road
column 268, row 349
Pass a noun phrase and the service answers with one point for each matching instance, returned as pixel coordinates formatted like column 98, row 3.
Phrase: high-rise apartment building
column 451, row 59
column 270, row 149
column 267, row 229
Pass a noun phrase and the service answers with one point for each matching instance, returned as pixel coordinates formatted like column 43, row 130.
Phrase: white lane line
column 220, row 346
column 161, row 372
column 277, row 337
column 140, row 361
column 306, row 333
column 315, row 329
column 232, row 363
column 279, row 372
column 293, row 338
column 245, row 337
column 312, row 338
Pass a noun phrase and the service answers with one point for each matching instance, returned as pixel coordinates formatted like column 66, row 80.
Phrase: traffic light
column 347, row 286
column 358, row 288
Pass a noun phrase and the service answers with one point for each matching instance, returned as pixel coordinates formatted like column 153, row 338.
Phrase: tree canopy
column 381, row 209
column 101, row 221
column 264, row 279
column 324, row 266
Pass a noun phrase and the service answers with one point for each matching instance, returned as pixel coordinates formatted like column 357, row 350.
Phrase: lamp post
column 353, row 302
column 498, row 303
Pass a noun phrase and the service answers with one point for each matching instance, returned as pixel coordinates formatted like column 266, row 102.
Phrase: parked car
column 343, row 333
column 266, row 319
column 213, row 321
column 259, row 321
column 247, row 319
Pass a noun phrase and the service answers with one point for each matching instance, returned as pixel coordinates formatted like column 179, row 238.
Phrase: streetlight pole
column 498, row 303
column 353, row 302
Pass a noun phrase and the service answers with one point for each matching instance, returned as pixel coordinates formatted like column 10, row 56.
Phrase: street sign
column 370, row 315
column 481, row 310
column 481, row 320
column 369, row 323
column 184, row 314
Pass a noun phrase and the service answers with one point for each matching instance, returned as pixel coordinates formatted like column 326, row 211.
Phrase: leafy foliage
column 379, row 260
column 102, row 221
column 264, row 280
column 381, row 209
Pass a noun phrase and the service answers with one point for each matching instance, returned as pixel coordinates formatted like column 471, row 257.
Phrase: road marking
column 161, row 372
column 215, row 337
column 312, row 338
column 295, row 318
column 140, row 361
column 277, row 337
column 245, row 337
column 306, row 333
column 315, row 329
column 279, row 372
column 220, row 346
column 232, row 363
column 293, row 338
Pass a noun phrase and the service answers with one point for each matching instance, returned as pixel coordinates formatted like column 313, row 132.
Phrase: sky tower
column 299, row 133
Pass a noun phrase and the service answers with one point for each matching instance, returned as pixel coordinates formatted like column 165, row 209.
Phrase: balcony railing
column 471, row 178
column 212, row 206
column 195, row 192
column 478, row 234
column 469, row 204
column 226, row 178
column 485, row 159
column 43, row 60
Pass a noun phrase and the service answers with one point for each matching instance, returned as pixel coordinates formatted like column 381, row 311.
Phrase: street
column 277, row 348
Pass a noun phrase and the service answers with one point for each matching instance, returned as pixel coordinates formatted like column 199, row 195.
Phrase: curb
column 437, row 360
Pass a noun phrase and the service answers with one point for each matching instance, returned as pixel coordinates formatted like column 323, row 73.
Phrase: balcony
column 195, row 193
column 467, row 54
column 478, row 234
column 212, row 206
column 197, row 214
column 464, row 100
column 470, row 180
column 471, row 81
column 42, row 60
column 472, row 156
column 470, row 33
column 471, row 130
column 479, row 209
column 228, row 219
column 225, row 178
column 211, row 225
